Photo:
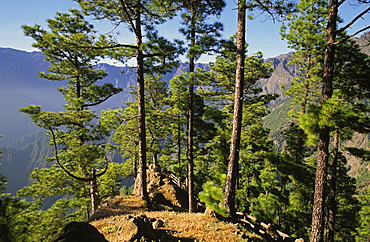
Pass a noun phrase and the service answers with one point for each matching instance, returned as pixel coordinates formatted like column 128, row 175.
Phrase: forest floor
column 176, row 226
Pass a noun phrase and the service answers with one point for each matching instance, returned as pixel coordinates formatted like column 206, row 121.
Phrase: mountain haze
column 24, row 144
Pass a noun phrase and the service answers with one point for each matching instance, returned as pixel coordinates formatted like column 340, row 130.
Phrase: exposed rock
column 162, row 191
column 172, row 195
column 130, row 228
column 157, row 224
column 210, row 212
column 81, row 232
column 135, row 228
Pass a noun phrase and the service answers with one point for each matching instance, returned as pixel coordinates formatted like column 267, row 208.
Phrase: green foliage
column 296, row 174
column 212, row 195
column 266, row 207
column 221, row 81
column 139, row 17
column 347, row 203
column 258, row 174
column 336, row 114
column 4, row 220
column 202, row 36
column 30, row 223
column 78, row 134
column 158, row 120
column 364, row 226
column 305, row 34
column 125, row 190
column 203, row 130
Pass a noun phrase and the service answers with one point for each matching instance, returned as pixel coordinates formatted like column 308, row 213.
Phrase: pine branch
column 355, row 19
column 352, row 35
column 60, row 165
column 131, row 22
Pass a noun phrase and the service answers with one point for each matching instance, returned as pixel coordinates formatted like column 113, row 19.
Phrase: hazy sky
column 261, row 35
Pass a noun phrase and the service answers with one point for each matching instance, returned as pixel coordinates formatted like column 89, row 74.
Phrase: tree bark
column 140, row 183
column 94, row 195
column 190, row 130
column 317, row 232
column 232, row 172
column 333, row 189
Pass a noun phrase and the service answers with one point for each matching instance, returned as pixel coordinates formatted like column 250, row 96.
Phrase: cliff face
column 364, row 43
column 281, row 78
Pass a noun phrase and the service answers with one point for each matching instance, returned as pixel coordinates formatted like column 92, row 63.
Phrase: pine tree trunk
column 317, row 232
column 232, row 172
column 179, row 142
column 332, row 193
column 320, row 181
column 155, row 160
column 94, row 196
column 190, row 138
column 140, row 182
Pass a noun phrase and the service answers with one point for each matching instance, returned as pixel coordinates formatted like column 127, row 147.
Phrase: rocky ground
column 139, row 223
column 164, row 218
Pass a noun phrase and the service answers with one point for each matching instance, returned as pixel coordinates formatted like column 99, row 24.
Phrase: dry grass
column 120, row 205
column 178, row 226
column 196, row 226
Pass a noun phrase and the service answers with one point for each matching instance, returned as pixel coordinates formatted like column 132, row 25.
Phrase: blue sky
column 261, row 35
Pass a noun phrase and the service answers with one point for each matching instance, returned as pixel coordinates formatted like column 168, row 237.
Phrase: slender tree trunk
column 140, row 183
column 94, row 195
column 190, row 131
column 134, row 166
column 317, row 232
column 179, row 144
column 332, row 193
column 232, row 172
column 155, row 160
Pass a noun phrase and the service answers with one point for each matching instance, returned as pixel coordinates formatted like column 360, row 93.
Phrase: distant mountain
column 24, row 144
column 364, row 42
column 20, row 87
column 22, row 157
column 281, row 78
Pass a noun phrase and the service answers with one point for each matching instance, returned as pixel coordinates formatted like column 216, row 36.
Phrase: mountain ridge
column 20, row 86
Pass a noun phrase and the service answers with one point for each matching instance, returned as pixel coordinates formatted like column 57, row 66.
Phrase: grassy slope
column 178, row 226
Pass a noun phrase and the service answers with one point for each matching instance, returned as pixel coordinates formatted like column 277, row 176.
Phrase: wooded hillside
column 277, row 146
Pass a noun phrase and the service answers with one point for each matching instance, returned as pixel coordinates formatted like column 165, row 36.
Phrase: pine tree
column 259, row 190
column 296, row 170
column 203, row 130
column 320, row 72
column 272, row 8
column 141, row 17
column 157, row 118
column 78, row 135
column 202, row 38
column 364, row 226
column 231, row 181
column 221, row 93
